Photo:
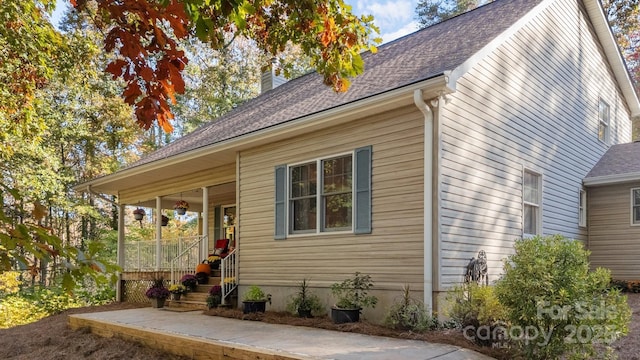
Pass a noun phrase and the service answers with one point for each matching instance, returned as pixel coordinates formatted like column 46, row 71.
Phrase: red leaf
column 116, row 68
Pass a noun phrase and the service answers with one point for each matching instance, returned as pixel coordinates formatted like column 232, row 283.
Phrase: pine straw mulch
column 447, row 336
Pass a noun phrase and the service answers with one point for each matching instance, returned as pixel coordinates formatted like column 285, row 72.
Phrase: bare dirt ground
column 51, row 338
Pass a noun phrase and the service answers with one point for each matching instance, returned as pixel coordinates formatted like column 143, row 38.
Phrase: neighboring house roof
column 416, row 57
column 621, row 163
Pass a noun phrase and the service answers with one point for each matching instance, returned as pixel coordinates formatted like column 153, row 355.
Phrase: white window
column 532, row 199
column 321, row 201
column 582, row 212
column 603, row 121
column 635, row 206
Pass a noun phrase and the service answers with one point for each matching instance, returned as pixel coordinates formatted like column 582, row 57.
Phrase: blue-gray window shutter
column 362, row 205
column 280, row 231
column 217, row 228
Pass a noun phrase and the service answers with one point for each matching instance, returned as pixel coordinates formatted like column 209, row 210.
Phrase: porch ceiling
column 193, row 197
column 144, row 175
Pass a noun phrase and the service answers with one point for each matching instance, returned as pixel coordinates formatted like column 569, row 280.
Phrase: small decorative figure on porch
column 477, row 269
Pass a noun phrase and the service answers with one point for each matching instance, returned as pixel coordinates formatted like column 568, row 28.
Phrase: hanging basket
column 164, row 221
column 181, row 211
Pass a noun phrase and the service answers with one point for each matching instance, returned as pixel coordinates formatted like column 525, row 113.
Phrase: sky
column 394, row 18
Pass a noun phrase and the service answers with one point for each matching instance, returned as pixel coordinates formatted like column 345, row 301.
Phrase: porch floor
column 201, row 336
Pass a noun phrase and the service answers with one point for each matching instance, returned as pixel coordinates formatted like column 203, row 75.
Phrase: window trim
column 582, row 208
column 605, row 124
column 632, row 197
column 319, row 230
column 538, row 224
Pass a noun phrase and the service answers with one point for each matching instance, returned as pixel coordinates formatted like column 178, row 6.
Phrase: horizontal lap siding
column 613, row 242
column 532, row 103
column 392, row 254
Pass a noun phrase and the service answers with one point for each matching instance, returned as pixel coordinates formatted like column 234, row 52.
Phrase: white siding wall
column 532, row 104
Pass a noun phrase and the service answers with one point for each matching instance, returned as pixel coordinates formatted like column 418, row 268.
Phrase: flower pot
column 254, row 306
column 138, row 216
column 181, row 211
column 215, row 265
column 304, row 313
column 341, row 316
column 175, row 296
column 157, row 302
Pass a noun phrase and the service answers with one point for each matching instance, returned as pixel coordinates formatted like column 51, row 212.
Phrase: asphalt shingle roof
column 618, row 160
column 416, row 57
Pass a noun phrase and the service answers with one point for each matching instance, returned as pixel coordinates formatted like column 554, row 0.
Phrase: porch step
column 187, row 304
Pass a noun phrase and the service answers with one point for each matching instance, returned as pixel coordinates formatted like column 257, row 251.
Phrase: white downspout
column 428, row 198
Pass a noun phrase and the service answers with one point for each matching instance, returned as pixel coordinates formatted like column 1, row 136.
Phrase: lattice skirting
column 133, row 290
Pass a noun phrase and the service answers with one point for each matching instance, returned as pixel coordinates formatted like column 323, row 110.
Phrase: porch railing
column 228, row 274
column 141, row 255
column 186, row 261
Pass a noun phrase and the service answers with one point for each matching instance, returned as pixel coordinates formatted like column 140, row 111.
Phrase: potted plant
column 304, row 302
column 202, row 278
column 158, row 293
column 255, row 300
column 176, row 291
column 214, row 262
column 181, row 207
column 215, row 296
column 352, row 296
column 138, row 214
column 189, row 281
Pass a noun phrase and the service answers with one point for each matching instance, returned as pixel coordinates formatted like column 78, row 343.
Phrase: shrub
column 353, row 293
column 474, row 307
column 409, row 314
column 560, row 306
column 305, row 301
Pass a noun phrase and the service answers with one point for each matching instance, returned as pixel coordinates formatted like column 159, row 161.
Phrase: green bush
column 409, row 314
column 477, row 310
column 16, row 310
column 555, row 305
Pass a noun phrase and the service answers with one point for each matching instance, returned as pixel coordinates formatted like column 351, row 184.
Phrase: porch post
column 204, row 249
column 120, row 251
column 158, row 232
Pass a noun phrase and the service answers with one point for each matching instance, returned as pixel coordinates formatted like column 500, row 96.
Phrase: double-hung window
column 532, row 199
column 324, row 195
column 327, row 193
column 635, row 206
column 604, row 117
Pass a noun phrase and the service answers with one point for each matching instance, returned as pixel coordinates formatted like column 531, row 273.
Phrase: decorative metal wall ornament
column 477, row 269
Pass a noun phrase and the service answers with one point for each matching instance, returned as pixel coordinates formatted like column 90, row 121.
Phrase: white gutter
column 338, row 113
column 428, row 198
column 611, row 179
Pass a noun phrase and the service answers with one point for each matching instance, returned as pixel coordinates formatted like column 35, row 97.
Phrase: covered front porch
column 166, row 252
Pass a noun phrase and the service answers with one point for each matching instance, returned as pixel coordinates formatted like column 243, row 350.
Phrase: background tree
column 430, row 12
column 145, row 35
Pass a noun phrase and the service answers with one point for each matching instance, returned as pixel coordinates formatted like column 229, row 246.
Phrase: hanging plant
column 165, row 220
column 139, row 214
column 181, row 207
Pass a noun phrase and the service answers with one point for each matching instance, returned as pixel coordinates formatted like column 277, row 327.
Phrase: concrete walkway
column 293, row 341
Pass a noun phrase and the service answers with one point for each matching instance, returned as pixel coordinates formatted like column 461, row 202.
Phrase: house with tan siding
column 613, row 211
column 460, row 137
